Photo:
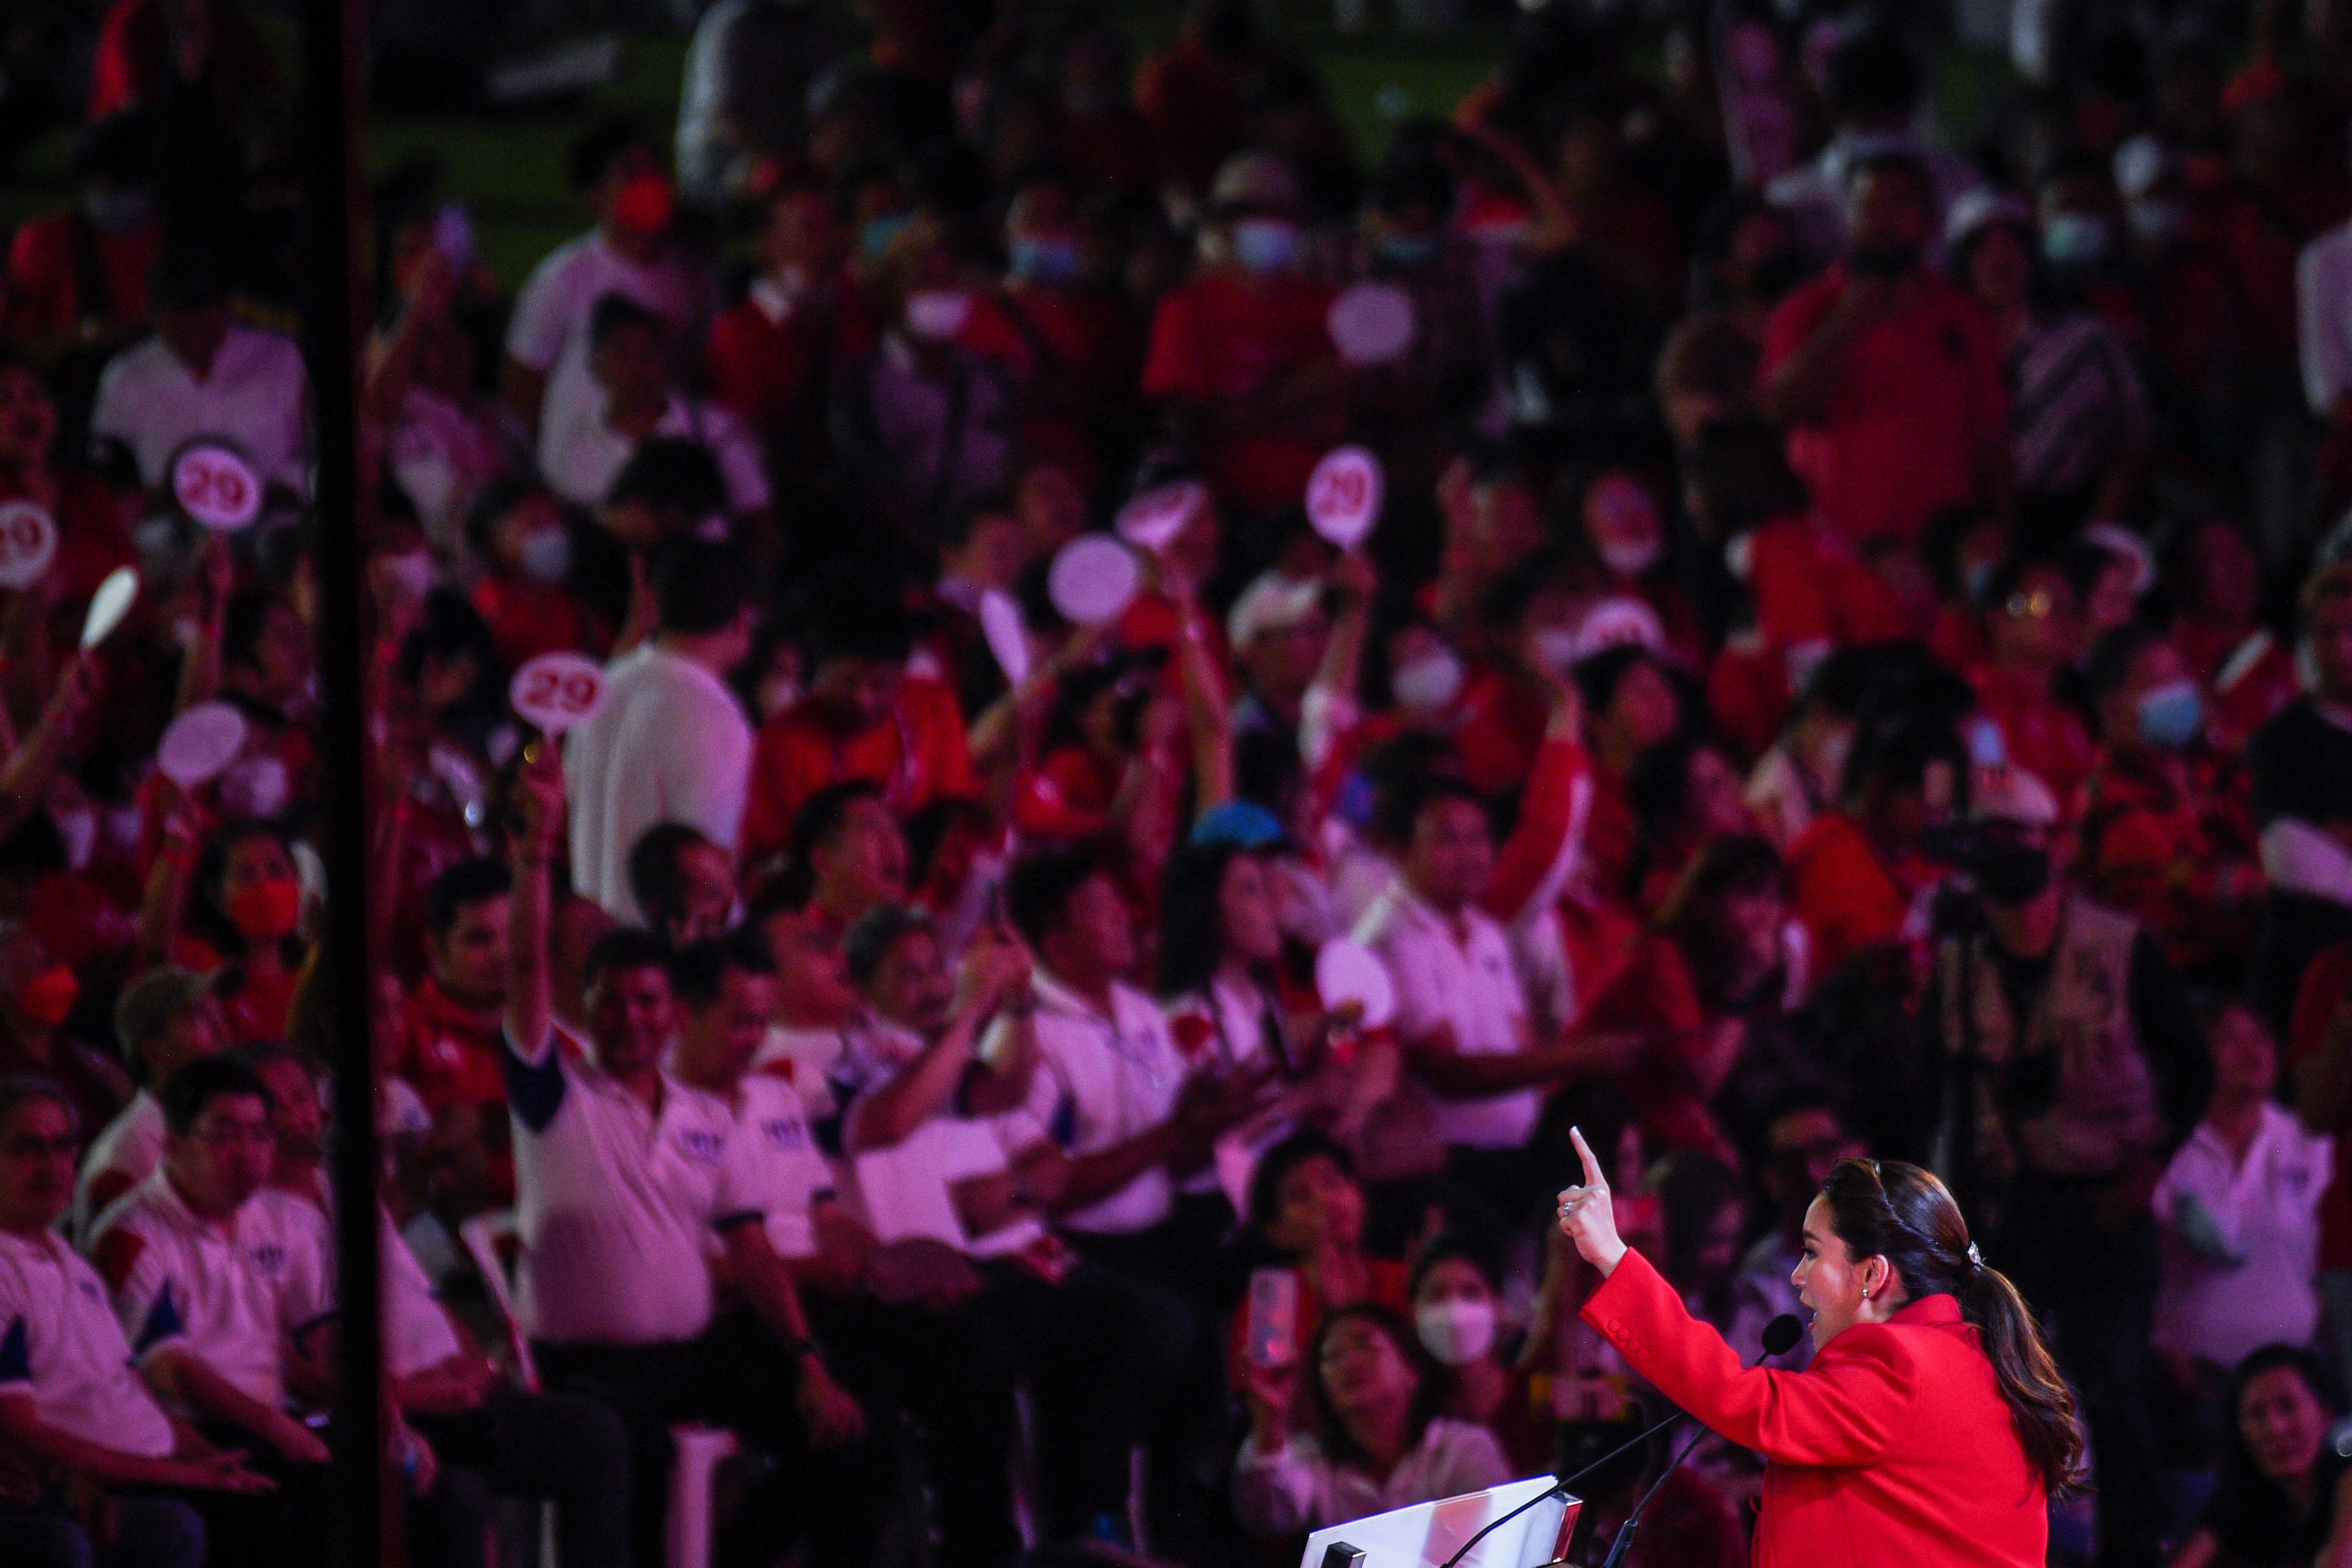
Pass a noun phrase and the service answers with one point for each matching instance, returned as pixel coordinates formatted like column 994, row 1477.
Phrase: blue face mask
column 1042, row 261
column 1264, row 244
column 876, row 236
column 2172, row 714
column 1410, row 251
column 2075, row 239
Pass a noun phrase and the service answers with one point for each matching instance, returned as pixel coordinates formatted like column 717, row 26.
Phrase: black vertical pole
column 331, row 136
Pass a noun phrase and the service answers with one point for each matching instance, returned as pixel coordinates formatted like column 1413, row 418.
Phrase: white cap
column 1274, row 603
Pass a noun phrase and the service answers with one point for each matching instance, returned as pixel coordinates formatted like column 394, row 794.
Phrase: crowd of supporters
column 1046, row 988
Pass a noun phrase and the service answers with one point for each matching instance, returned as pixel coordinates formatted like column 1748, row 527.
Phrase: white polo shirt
column 62, row 1346
column 583, row 455
column 2265, row 1209
column 133, row 1144
column 1100, row 1082
column 1469, row 983
column 773, row 1164
column 229, row 1292
column 256, row 396
column 615, row 1204
column 818, row 1064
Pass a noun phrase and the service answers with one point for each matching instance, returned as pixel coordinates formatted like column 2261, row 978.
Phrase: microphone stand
column 1559, row 1488
column 1624, row 1541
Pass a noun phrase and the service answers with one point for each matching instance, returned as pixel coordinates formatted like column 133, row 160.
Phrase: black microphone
column 1780, row 1337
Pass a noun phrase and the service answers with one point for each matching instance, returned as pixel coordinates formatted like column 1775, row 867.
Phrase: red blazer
column 1893, row 1447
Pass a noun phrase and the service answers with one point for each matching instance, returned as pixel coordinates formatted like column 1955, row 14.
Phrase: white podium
column 1427, row 1533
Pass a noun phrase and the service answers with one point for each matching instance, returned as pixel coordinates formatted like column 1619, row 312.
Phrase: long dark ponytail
column 1886, row 1208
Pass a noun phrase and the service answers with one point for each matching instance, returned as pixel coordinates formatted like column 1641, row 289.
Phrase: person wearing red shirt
column 1306, row 1202
column 2032, row 624
column 523, row 596
column 1885, row 373
column 1931, row 1425
column 151, row 51
column 91, row 541
column 447, row 1048
column 1190, row 94
column 1855, row 872
column 863, row 717
column 2166, row 823
column 2247, row 673
column 77, row 277
column 1240, row 355
column 769, row 353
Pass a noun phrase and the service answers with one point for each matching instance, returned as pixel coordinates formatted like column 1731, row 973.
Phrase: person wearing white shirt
column 2240, row 1210
column 584, row 447
column 68, row 1397
column 215, row 1279
column 938, row 1071
column 670, row 742
column 165, row 1018
column 1462, row 1010
column 204, row 375
column 616, row 169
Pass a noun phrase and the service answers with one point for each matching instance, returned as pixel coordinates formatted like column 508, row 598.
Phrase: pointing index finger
column 1592, row 1177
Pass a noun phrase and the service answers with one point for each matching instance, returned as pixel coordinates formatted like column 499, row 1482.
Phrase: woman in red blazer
column 1931, row 1427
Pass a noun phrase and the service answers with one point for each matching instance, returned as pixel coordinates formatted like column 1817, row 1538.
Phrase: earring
column 1866, row 1292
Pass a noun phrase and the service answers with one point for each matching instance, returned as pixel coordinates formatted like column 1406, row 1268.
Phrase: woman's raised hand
column 1588, row 1215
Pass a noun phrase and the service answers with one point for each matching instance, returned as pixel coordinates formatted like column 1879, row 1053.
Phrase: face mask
column 2154, row 222
column 935, row 315
column 1410, row 251
column 2172, row 714
column 545, row 555
column 646, row 204
column 118, row 211
column 876, row 236
column 1630, row 557
column 1042, row 261
column 1776, row 274
column 254, row 786
column 1429, row 684
column 266, row 910
column 1264, row 244
column 411, row 573
column 47, row 998
column 1456, row 1331
column 2075, row 239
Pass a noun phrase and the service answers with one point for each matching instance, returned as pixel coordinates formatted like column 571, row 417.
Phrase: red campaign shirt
column 1068, row 796
column 1894, row 1446
column 1215, row 338
column 1848, row 898
column 133, row 64
column 762, row 368
column 1190, row 100
column 1897, row 439
column 2043, row 735
column 2322, row 989
column 1501, row 728
column 76, row 920
column 917, row 753
column 1653, row 995
column 2162, row 848
column 43, row 293
column 447, row 1055
column 527, row 619
column 1809, row 588
column 254, row 1009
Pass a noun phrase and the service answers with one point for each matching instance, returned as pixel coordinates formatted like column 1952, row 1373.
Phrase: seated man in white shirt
column 165, row 1019
column 582, row 449
column 202, row 375
column 1114, row 1092
column 919, row 1351
column 69, row 1402
column 623, row 1189
column 213, row 1275
column 1462, row 1008
column 938, row 1097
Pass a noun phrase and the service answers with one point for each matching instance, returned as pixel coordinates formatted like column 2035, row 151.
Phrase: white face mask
column 935, row 315
column 1456, row 1331
column 1429, row 684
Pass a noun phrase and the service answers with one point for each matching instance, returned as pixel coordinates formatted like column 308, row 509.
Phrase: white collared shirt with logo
column 1470, row 984
column 231, row 1293
column 773, row 1164
column 615, row 1203
column 62, row 1346
column 1101, row 1080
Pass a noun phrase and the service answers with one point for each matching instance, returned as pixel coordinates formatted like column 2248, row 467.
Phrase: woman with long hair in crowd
column 2285, row 1494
